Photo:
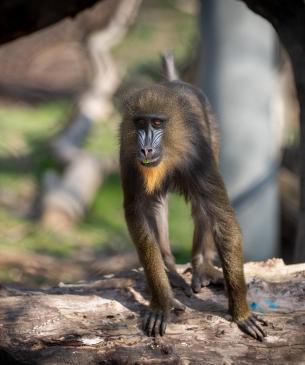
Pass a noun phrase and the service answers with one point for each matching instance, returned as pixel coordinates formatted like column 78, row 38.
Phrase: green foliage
column 23, row 127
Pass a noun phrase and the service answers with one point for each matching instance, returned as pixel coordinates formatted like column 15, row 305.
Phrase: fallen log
column 97, row 322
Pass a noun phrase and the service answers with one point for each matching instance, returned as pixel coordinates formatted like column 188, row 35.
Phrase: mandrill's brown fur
column 189, row 165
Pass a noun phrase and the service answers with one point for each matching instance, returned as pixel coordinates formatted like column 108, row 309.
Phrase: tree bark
column 98, row 322
column 288, row 19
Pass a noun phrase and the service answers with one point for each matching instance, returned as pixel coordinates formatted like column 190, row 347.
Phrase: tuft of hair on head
column 169, row 67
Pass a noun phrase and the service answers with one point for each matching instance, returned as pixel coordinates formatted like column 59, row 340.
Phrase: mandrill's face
column 149, row 130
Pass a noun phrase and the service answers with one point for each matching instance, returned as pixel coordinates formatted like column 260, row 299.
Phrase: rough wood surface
column 98, row 323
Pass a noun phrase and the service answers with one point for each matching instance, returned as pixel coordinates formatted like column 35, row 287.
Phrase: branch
column 21, row 17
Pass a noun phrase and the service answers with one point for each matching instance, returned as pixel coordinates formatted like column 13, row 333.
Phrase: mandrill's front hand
column 156, row 317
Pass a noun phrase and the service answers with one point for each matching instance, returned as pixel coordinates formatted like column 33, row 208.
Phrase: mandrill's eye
column 140, row 123
column 156, row 123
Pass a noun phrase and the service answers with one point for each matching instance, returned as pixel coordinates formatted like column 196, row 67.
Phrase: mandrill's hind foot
column 251, row 326
column 205, row 274
column 177, row 281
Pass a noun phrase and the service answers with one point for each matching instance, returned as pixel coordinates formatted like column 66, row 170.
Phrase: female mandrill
column 169, row 141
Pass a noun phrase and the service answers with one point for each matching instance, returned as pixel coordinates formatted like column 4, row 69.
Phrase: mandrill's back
column 199, row 105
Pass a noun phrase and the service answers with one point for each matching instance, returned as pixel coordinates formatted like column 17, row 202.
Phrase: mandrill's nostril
column 147, row 152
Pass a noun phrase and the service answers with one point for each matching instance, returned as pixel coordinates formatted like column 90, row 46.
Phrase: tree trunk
column 98, row 322
column 288, row 19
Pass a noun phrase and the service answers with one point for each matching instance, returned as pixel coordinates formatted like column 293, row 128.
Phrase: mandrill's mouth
column 150, row 162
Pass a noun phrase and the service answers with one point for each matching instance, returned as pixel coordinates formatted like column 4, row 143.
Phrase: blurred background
column 61, row 216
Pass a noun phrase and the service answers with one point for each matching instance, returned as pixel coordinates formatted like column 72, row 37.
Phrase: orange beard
column 153, row 176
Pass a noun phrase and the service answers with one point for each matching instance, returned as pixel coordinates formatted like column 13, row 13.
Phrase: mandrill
column 169, row 141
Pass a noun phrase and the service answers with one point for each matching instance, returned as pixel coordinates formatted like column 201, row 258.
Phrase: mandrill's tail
column 169, row 68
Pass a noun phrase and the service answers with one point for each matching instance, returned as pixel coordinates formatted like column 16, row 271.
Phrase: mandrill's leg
column 228, row 240
column 204, row 272
column 141, row 221
column 175, row 279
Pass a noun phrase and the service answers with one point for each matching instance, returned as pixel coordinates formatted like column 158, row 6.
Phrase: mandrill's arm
column 142, row 224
